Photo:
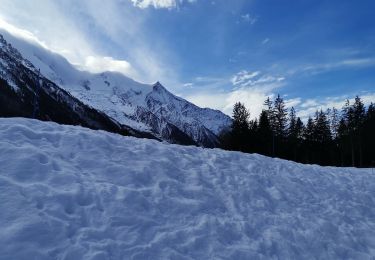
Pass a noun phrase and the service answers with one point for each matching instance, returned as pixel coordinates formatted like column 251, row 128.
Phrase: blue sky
column 214, row 53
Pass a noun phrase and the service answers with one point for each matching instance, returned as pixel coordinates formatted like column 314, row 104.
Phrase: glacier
column 67, row 192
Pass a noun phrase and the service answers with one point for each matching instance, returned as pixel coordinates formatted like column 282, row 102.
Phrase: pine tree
column 368, row 136
column 331, row 138
column 299, row 128
column 354, row 116
column 295, row 132
column 240, row 116
column 280, row 126
column 265, row 133
column 268, row 103
column 253, row 125
column 322, row 132
column 240, row 127
column 334, row 122
column 292, row 123
column 342, row 140
column 270, row 111
column 358, row 116
column 280, row 117
column 309, row 139
column 252, row 137
column 359, row 113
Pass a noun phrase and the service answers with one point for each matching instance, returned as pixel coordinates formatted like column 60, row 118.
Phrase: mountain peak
column 147, row 108
column 158, row 86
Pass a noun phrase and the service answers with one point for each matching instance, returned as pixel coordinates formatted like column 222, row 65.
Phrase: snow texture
column 72, row 193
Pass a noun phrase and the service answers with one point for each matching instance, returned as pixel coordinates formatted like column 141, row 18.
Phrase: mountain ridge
column 25, row 92
column 144, row 107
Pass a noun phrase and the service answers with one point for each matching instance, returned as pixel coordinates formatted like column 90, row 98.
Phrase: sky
column 314, row 53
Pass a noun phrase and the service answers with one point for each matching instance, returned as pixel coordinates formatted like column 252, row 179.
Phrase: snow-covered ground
column 72, row 193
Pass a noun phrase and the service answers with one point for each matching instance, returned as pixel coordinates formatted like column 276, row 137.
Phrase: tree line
column 331, row 137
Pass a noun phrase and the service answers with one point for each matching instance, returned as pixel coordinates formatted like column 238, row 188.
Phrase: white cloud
column 343, row 63
column 253, row 88
column 252, row 98
column 125, row 27
column 293, row 102
column 20, row 33
column 243, row 77
column 169, row 4
column 265, row 41
column 249, row 19
column 208, row 79
column 97, row 64
column 314, row 69
column 188, row 85
column 308, row 107
column 79, row 30
column 250, row 88
column 247, row 79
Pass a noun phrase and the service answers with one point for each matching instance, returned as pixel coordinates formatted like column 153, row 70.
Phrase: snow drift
column 72, row 193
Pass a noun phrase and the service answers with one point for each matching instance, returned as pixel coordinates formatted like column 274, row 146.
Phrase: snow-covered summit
column 72, row 193
column 141, row 106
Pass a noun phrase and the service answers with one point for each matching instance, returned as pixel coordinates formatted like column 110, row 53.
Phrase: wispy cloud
column 250, row 88
column 265, row 41
column 85, row 34
column 89, row 63
column 249, row 79
column 188, row 85
column 307, row 107
column 244, row 77
column 100, row 64
column 313, row 69
column 253, row 87
column 20, row 33
column 169, row 4
column 248, row 18
column 341, row 64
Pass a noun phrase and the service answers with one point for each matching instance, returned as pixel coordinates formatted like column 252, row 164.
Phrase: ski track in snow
column 72, row 193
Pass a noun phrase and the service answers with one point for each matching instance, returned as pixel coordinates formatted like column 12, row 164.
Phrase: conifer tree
column 272, row 122
column 240, row 127
column 294, row 133
column 369, row 136
column 331, row 138
column 265, row 133
column 342, row 140
column 280, row 117
column 334, row 122
column 292, row 123
column 354, row 116
column 322, row 132
column 358, row 114
column 270, row 113
column 309, row 139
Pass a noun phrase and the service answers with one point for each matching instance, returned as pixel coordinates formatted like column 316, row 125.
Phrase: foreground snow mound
column 71, row 193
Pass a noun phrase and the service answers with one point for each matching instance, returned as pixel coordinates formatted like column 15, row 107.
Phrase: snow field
column 72, row 193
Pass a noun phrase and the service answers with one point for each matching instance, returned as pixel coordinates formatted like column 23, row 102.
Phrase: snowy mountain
column 72, row 193
column 25, row 92
column 147, row 108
